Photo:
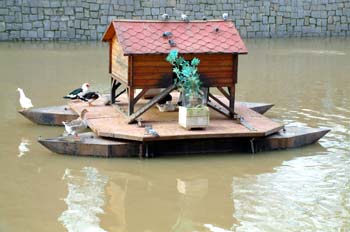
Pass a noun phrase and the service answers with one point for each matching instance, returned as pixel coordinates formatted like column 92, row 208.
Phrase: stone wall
column 87, row 19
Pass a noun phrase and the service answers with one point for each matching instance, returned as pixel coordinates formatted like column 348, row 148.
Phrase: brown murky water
column 305, row 189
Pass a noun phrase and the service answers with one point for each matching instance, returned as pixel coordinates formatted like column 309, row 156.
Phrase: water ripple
column 305, row 194
column 84, row 200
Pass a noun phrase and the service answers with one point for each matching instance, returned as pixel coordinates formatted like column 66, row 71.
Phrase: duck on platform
column 79, row 92
column 75, row 126
column 165, row 105
column 24, row 101
column 90, row 97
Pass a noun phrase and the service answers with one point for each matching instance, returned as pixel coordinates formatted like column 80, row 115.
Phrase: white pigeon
column 225, row 16
column 25, row 102
column 165, row 17
column 184, row 17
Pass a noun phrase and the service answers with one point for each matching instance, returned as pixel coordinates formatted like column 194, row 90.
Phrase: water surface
column 305, row 189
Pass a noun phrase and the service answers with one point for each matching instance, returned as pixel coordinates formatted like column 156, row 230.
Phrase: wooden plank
column 107, row 122
column 52, row 116
column 119, row 62
column 235, row 68
column 130, row 71
column 91, row 145
column 131, row 93
column 232, row 92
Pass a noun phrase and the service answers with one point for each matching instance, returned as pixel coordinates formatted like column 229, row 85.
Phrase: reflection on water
column 303, row 189
column 85, row 200
column 23, row 147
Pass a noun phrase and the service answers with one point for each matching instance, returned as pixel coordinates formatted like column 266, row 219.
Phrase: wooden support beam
column 232, row 99
column 218, row 109
column 131, row 92
column 115, row 85
column 137, row 98
column 151, row 103
column 221, row 89
column 221, row 103
column 120, row 93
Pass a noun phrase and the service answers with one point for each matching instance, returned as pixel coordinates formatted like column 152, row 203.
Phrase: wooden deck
column 106, row 121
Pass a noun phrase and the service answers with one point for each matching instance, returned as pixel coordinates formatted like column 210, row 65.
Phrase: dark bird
column 90, row 97
column 165, row 99
column 75, row 94
column 165, row 17
column 167, row 34
column 150, row 131
column 172, row 43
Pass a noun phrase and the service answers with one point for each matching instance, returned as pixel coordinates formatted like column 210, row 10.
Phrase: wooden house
column 138, row 48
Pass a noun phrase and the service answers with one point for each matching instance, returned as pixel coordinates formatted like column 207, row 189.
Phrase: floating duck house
column 138, row 48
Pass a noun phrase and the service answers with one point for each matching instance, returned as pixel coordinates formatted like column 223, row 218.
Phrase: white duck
column 77, row 125
column 25, row 102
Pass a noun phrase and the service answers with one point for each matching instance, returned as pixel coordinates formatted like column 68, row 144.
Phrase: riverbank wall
column 88, row 19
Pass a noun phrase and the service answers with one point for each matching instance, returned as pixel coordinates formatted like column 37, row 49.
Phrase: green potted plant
column 192, row 113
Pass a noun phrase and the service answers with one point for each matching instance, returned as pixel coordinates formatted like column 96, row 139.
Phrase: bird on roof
column 165, row 17
column 167, row 34
column 24, row 101
column 225, row 16
column 76, row 125
column 172, row 43
column 90, row 97
column 150, row 131
column 75, row 94
column 184, row 18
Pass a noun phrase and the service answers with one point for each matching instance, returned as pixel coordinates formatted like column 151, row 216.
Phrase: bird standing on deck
column 24, row 101
column 150, row 131
column 79, row 92
column 90, row 97
column 77, row 125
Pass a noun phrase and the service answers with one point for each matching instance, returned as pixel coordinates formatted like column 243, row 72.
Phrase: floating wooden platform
column 54, row 115
column 91, row 145
column 106, row 121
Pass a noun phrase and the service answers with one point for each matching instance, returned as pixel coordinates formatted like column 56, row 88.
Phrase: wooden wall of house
column 154, row 71
column 118, row 62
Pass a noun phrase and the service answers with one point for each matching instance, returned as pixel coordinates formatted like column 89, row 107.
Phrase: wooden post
column 232, row 91
column 131, row 92
column 113, row 90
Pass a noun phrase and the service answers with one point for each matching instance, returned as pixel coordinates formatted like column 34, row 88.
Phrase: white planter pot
column 195, row 117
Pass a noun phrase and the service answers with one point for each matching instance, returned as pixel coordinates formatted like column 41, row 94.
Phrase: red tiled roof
column 146, row 37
